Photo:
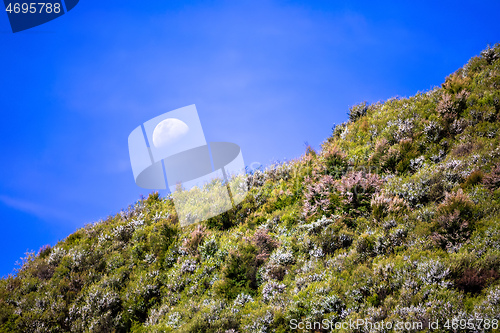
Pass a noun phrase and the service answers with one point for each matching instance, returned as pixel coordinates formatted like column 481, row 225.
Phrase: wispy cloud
column 39, row 210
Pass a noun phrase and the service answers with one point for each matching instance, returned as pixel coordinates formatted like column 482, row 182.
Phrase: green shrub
column 239, row 274
column 394, row 219
column 492, row 179
column 357, row 111
column 454, row 221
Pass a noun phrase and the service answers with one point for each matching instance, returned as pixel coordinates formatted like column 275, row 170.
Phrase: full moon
column 169, row 131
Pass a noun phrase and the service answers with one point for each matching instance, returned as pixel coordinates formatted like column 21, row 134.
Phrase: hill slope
column 396, row 219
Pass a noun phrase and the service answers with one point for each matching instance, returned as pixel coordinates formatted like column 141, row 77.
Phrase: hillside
column 395, row 220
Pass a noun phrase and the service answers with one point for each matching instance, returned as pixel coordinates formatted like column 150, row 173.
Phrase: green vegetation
column 395, row 219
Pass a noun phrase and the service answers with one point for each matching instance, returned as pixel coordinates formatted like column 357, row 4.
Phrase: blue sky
column 267, row 75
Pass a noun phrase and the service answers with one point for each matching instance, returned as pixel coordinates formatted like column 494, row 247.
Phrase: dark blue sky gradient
column 267, row 75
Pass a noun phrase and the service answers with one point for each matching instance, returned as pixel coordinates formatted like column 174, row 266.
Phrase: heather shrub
column 260, row 320
column 98, row 310
column 466, row 148
column 356, row 190
column 264, row 243
column 43, row 270
column 271, row 289
column 337, row 131
column 454, row 220
column 277, row 266
column 489, row 307
column 44, row 251
column 492, row 179
column 457, row 201
column 239, row 274
column 332, row 161
column 388, row 242
column 395, row 219
column 383, row 204
column 320, row 196
column 190, row 244
column 451, row 105
column 390, row 160
column 407, row 153
column 162, row 238
column 485, row 129
column 379, row 151
column 474, row 280
column 208, row 248
column 432, row 131
column 365, row 245
column 404, row 130
column 474, row 178
column 428, row 184
column 142, row 292
column 325, row 237
column 491, row 54
column 330, row 306
column 456, row 82
column 395, row 158
column 357, row 111
column 480, row 114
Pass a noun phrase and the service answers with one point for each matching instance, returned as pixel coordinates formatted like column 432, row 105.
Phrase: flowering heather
column 394, row 219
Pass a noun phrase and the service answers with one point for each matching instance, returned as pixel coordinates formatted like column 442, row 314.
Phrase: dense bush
column 357, row 111
column 394, row 219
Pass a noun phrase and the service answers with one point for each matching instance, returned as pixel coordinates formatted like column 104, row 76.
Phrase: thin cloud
column 36, row 209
